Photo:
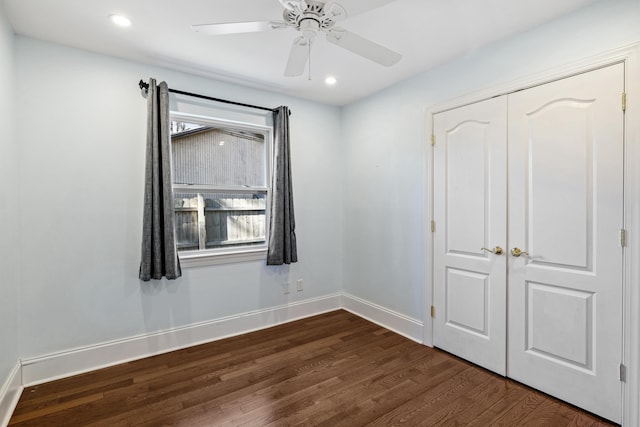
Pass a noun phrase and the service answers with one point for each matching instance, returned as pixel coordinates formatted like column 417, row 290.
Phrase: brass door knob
column 497, row 250
column 516, row 252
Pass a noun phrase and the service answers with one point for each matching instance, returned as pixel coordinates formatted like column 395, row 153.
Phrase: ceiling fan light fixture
column 120, row 20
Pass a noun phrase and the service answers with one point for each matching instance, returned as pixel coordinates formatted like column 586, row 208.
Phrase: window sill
column 217, row 258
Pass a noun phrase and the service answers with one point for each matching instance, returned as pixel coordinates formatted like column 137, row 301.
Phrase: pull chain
column 309, row 47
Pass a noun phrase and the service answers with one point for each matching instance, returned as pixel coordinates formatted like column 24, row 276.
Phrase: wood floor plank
column 479, row 400
column 520, row 410
column 451, row 410
column 551, row 412
column 514, row 393
column 364, row 380
column 432, row 405
column 335, row 369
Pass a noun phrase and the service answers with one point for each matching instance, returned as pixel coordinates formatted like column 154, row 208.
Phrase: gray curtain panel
column 159, row 252
column 282, row 231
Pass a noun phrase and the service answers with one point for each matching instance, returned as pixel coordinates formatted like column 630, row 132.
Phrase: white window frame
column 253, row 252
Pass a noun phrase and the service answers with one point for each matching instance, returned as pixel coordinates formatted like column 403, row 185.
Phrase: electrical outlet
column 299, row 285
column 285, row 288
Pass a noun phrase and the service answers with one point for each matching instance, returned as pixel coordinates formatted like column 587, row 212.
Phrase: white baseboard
column 50, row 367
column 10, row 394
column 396, row 322
column 60, row 365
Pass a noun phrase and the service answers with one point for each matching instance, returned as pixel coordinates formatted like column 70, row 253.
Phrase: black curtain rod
column 144, row 86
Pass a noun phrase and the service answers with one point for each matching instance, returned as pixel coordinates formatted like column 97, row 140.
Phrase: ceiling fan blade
column 237, row 27
column 356, row 7
column 335, row 11
column 363, row 47
column 298, row 57
column 298, row 5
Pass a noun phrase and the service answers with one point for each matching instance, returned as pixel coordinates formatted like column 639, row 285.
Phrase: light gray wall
column 9, row 207
column 385, row 137
column 81, row 130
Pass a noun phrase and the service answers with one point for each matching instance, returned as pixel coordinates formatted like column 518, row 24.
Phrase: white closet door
column 566, row 211
column 470, row 214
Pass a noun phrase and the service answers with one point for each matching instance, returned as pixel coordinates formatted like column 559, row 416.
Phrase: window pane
column 207, row 155
column 186, row 222
column 208, row 220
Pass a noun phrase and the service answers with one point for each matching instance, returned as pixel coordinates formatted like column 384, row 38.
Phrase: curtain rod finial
column 144, row 88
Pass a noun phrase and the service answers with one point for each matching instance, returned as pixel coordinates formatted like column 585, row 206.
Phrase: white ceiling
column 425, row 32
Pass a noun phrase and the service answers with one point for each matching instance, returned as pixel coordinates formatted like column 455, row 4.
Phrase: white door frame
column 630, row 56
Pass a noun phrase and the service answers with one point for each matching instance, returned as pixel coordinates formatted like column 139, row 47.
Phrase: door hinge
column 433, row 226
column 433, row 311
column 433, row 139
column 623, row 237
column 623, row 373
column 624, row 102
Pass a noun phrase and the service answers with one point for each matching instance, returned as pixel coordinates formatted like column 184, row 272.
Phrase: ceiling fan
column 311, row 17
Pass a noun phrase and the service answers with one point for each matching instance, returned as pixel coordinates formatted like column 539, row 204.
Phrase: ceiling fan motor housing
column 312, row 16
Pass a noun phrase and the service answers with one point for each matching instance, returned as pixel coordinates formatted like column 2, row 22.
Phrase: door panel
column 466, row 296
column 572, row 341
column 566, row 211
column 467, row 150
column 559, row 206
column 470, row 213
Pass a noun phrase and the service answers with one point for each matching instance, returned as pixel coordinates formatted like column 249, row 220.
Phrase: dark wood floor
column 330, row 370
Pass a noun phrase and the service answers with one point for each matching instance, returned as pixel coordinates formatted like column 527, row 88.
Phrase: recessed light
column 120, row 21
column 330, row 81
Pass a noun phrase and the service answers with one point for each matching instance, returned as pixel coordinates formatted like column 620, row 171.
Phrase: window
column 221, row 181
